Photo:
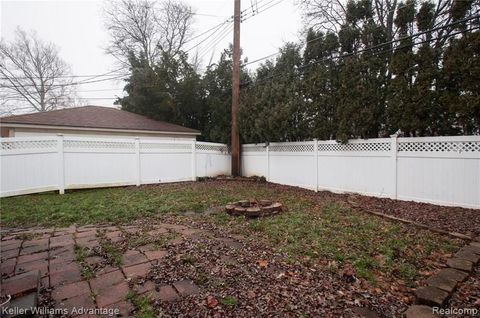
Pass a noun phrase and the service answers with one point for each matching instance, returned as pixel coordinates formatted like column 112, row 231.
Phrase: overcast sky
column 76, row 27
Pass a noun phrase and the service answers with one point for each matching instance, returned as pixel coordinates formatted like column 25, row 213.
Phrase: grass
column 80, row 255
column 111, row 252
column 310, row 229
column 228, row 301
column 143, row 305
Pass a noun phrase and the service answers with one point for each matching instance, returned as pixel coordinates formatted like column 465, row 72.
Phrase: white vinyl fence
column 439, row 170
column 37, row 164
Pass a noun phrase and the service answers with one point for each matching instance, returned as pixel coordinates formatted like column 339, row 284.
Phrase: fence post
column 315, row 162
column 138, row 176
column 194, row 160
column 267, row 153
column 394, row 151
column 61, row 165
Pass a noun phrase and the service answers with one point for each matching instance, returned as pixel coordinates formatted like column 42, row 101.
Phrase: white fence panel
column 98, row 162
column 292, row 163
column 164, row 161
column 254, row 160
column 361, row 166
column 37, row 164
column 28, row 165
column 441, row 170
column 212, row 159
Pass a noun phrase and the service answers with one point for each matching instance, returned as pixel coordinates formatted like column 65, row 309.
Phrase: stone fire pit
column 253, row 208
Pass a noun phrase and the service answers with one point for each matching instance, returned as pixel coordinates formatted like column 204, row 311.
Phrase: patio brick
column 442, row 282
column 140, row 270
column 124, row 308
column 33, row 249
column 475, row 244
column 470, row 249
column 7, row 267
column 65, row 277
column 57, row 267
column 86, row 234
column 64, row 240
column 10, row 254
column 430, row 296
column 453, row 274
column 88, row 244
column 32, row 257
column 81, row 301
column 21, row 284
column 145, row 287
column 186, row 287
column 460, row 264
column 155, row 255
column 148, row 247
column 70, row 290
column 469, row 256
column 42, row 242
column 40, row 265
column 419, row 311
column 106, row 280
column 10, row 245
column 165, row 293
column 112, row 294
column 133, row 258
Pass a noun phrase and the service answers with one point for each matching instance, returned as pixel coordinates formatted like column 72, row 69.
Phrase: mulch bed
column 452, row 219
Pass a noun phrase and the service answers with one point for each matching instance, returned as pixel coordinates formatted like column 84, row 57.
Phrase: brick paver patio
column 72, row 267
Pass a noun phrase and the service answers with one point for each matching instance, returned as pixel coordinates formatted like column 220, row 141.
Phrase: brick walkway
column 91, row 266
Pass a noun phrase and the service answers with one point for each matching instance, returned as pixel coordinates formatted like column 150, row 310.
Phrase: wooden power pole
column 236, row 90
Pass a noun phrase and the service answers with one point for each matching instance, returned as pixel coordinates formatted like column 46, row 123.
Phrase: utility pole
column 236, row 90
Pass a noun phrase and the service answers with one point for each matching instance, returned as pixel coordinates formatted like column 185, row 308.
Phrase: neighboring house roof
column 95, row 117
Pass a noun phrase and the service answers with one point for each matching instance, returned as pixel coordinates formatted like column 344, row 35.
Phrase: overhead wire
column 341, row 56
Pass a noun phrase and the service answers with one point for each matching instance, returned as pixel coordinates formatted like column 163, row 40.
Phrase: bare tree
column 147, row 28
column 330, row 15
column 32, row 75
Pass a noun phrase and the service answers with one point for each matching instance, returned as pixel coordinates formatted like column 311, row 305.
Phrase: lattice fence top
column 291, row 148
column 253, row 148
column 94, row 144
column 440, row 146
column 164, row 146
column 29, row 145
column 363, row 146
column 212, row 147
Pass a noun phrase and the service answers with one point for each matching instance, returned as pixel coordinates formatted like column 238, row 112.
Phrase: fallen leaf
column 212, row 302
column 263, row 263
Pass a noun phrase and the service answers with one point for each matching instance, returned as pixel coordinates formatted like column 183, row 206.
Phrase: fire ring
column 254, row 208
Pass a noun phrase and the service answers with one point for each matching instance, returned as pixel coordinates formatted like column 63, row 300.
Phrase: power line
column 374, row 47
column 263, row 7
column 221, row 27
column 385, row 43
column 71, row 84
column 114, row 72
column 216, row 40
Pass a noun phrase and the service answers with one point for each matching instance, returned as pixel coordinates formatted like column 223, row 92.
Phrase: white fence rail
column 37, row 164
column 439, row 170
